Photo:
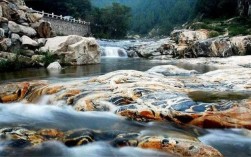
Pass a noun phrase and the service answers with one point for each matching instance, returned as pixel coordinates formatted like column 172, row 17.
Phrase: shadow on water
column 215, row 96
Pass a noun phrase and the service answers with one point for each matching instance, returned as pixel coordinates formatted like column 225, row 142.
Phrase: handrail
column 52, row 15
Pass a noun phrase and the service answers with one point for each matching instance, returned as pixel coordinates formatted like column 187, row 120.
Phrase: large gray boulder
column 213, row 47
column 15, row 38
column 156, row 48
column 27, row 41
column 21, row 30
column 73, row 49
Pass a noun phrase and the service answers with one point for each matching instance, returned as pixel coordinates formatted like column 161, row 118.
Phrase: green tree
column 216, row 8
column 111, row 22
column 75, row 8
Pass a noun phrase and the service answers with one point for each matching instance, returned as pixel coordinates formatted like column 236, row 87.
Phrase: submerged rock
column 169, row 70
column 19, row 137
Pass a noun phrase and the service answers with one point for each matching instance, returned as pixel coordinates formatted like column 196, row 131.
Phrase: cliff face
column 244, row 8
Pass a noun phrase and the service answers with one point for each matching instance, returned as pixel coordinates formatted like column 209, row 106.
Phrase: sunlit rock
column 19, row 29
column 188, row 37
column 74, row 50
column 27, row 41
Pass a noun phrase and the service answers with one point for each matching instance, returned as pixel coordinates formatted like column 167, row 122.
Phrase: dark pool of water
column 215, row 96
column 107, row 65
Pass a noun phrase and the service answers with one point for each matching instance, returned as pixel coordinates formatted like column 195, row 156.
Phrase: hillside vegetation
column 118, row 18
column 154, row 16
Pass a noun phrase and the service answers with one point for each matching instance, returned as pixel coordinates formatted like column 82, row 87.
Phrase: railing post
column 43, row 13
column 52, row 15
column 61, row 17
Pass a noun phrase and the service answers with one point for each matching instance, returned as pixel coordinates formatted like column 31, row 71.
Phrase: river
column 230, row 142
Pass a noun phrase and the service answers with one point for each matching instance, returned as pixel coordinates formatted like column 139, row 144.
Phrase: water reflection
column 106, row 65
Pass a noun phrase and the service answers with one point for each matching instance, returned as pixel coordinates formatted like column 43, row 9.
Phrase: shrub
column 7, row 65
column 48, row 58
column 213, row 34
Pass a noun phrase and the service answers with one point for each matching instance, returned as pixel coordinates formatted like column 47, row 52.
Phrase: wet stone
column 119, row 101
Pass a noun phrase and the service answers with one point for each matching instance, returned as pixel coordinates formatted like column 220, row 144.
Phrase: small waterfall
column 114, row 52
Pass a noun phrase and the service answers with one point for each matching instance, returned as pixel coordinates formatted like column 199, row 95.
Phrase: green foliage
column 11, row 65
column 234, row 26
column 239, row 26
column 213, row 34
column 114, row 19
column 5, row 65
column 161, row 15
column 76, row 8
column 216, row 8
column 48, row 58
column 111, row 22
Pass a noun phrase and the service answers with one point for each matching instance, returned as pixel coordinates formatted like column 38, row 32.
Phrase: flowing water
column 114, row 52
column 230, row 142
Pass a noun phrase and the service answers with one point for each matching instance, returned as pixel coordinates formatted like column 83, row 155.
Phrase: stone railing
column 52, row 15
column 65, row 25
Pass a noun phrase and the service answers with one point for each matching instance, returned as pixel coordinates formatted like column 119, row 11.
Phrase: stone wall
column 63, row 27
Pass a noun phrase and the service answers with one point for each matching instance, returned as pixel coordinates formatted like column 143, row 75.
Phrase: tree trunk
column 244, row 8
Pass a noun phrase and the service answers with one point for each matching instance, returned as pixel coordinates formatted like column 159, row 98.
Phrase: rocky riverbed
column 188, row 43
column 165, row 109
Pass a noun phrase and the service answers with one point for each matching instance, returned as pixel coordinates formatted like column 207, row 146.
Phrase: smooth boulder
column 27, row 41
column 19, row 29
column 54, row 66
column 73, row 49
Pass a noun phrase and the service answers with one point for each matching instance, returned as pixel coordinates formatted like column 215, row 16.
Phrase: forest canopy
column 117, row 18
